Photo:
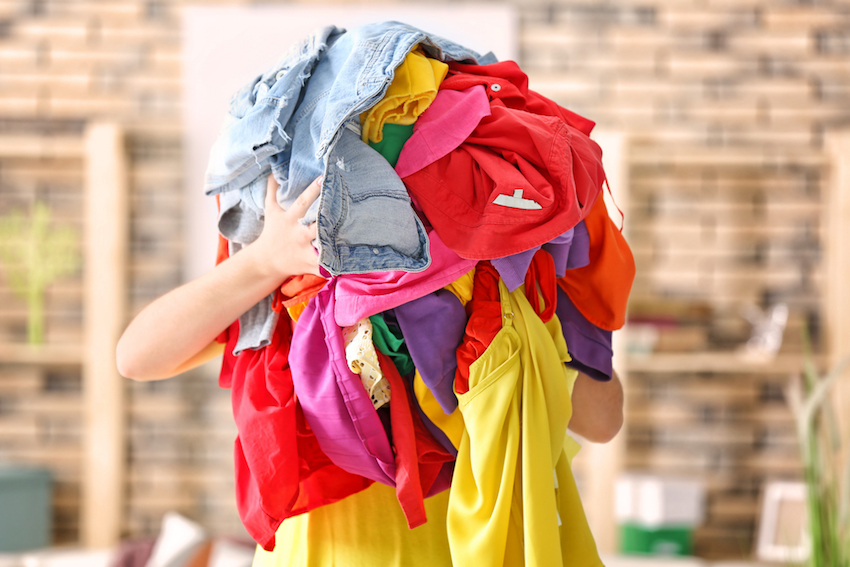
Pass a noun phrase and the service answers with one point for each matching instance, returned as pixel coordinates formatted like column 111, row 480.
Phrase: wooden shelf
column 41, row 147
column 721, row 362
column 52, row 355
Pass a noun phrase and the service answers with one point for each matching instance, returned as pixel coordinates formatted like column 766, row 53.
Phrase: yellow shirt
column 412, row 90
column 366, row 529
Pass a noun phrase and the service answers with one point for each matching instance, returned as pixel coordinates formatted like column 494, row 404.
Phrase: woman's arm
column 597, row 408
column 178, row 330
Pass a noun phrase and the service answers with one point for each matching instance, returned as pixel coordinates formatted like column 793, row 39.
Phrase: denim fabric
column 291, row 122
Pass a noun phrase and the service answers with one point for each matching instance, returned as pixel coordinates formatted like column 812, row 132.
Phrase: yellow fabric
column 462, row 287
column 504, row 507
column 366, row 529
column 412, row 90
column 296, row 310
column 451, row 425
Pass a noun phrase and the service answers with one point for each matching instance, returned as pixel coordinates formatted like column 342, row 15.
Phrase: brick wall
column 726, row 104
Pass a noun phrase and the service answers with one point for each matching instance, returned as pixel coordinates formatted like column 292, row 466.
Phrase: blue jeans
column 296, row 121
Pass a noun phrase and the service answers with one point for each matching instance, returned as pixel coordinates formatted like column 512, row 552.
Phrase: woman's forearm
column 181, row 323
column 177, row 330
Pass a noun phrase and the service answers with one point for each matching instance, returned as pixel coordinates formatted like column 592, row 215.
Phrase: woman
column 178, row 330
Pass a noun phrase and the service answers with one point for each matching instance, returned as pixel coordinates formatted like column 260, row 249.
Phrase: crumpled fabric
column 280, row 468
column 519, row 180
column 411, row 91
column 600, row 290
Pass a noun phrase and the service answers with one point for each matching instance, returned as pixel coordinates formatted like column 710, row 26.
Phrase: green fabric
column 390, row 341
column 395, row 135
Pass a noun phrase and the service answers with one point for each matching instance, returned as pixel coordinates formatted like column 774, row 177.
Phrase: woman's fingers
column 271, row 193
column 301, row 204
column 306, row 198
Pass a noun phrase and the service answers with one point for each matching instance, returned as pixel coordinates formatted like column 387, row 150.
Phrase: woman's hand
column 286, row 244
column 177, row 331
column 597, row 408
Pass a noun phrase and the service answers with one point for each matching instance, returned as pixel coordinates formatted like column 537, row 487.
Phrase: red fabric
column 485, row 321
column 528, row 148
column 600, row 290
column 419, row 458
column 513, row 90
column 280, row 469
column 540, row 280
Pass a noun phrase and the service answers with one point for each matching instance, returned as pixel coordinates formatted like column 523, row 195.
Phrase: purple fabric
column 438, row 433
column 569, row 250
column 334, row 401
column 579, row 253
column 433, row 328
column 588, row 345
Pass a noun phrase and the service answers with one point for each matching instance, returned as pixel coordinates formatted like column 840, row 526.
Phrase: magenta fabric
column 443, row 126
column 347, row 426
column 332, row 397
column 280, row 468
column 340, row 412
column 362, row 295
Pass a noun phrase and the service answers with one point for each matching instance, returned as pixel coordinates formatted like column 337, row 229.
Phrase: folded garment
column 412, row 90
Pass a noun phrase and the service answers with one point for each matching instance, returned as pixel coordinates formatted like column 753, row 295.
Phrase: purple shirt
column 569, row 251
column 433, row 328
column 589, row 346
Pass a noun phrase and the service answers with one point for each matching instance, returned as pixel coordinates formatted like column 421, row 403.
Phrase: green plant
column 34, row 255
column 825, row 467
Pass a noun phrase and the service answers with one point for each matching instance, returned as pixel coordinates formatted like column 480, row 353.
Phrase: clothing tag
column 516, row 201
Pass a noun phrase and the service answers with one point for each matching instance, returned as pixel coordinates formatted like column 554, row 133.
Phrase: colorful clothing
column 362, row 295
column 519, row 180
column 413, row 88
column 346, row 424
column 601, row 289
column 513, row 499
column 433, row 328
column 392, row 141
column 280, row 468
column 389, row 340
column 446, row 124
column 365, row 530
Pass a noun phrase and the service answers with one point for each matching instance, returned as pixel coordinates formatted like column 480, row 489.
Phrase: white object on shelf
column 655, row 501
column 178, row 538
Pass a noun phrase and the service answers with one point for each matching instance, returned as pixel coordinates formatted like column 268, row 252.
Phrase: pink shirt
column 443, row 126
column 362, row 295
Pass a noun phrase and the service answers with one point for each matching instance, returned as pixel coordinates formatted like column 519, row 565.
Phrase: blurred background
column 726, row 124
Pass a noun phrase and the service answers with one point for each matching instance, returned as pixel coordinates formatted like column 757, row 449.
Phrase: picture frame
column 783, row 534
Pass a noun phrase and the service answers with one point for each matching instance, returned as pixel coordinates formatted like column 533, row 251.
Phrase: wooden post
column 836, row 203
column 604, row 463
column 105, row 280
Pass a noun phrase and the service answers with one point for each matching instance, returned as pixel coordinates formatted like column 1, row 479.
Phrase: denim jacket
column 299, row 120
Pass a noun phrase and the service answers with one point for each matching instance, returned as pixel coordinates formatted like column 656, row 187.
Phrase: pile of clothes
column 471, row 270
